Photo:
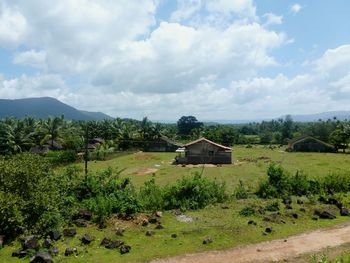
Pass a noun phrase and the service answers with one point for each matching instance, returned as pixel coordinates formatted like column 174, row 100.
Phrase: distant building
column 204, row 151
column 309, row 144
column 163, row 144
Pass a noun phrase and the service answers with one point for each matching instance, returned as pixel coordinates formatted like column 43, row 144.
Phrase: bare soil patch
column 144, row 171
column 276, row 250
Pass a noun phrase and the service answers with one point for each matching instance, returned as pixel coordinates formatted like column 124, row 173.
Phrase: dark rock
column 149, row 233
column 261, row 211
column 207, row 240
column 287, row 200
column 114, row 244
column 84, row 214
column 124, row 249
column 283, row 222
column 87, row 239
column 47, row 243
column 173, row 235
column 119, row 232
column 81, row 222
column 315, row 218
column 153, row 220
column 105, row 241
column 69, row 232
column 327, row 214
column 302, row 209
column 333, row 201
column 54, row 251
column 159, row 226
column 177, row 212
column 268, row 230
column 42, row 257
column 300, row 202
column 19, row 253
column 296, row 216
column 344, row 211
column 251, row 222
column 288, row 206
column 54, row 235
column 224, row 207
column 144, row 222
column 70, row 251
column 2, row 240
column 30, row 242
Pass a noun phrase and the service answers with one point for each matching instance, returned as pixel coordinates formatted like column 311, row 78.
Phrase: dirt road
column 275, row 250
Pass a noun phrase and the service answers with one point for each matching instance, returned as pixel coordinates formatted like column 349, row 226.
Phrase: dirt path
column 275, row 250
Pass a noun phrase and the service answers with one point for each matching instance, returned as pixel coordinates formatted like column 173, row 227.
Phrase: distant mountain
column 45, row 107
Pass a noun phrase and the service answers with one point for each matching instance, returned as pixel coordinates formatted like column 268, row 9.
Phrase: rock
column 251, row 222
column 173, row 235
column 315, row 218
column 124, row 249
column 87, row 239
column 114, row 244
column 295, row 215
column 184, row 219
column 144, row 222
column 327, row 214
column 2, row 240
column 333, row 201
column 289, row 207
column 287, row 200
column 69, row 232
column 207, row 240
column 300, row 202
column 54, row 235
column 84, row 214
column 302, row 209
column 225, row 207
column 42, row 257
column 105, row 241
column 70, row 251
column 19, row 253
column 177, row 212
column 153, row 220
column 268, row 230
column 46, row 243
column 344, row 211
column 149, row 233
column 81, row 222
column 54, row 251
column 30, row 242
column 261, row 211
column 119, row 232
column 159, row 226
column 159, row 214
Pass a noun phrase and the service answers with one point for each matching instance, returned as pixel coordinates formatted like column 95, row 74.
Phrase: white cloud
column 31, row 58
column 13, row 26
column 186, row 9
column 295, row 8
column 240, row 7
column 272, row 19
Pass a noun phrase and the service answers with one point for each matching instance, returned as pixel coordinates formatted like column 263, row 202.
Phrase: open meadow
column 222, row 225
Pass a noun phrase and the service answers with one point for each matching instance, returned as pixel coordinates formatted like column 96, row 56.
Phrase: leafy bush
column 151, row 196
column 335, row 183
column 273, row 207
column 247, row 211
column 300, row 184
column 194, row 193
column 241, row 191
column 61, row 157
column 11, row 216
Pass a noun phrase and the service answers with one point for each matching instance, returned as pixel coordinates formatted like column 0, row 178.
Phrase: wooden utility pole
column 86, row 154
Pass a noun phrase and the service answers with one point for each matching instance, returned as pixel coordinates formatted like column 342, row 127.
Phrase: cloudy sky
column 214, row 59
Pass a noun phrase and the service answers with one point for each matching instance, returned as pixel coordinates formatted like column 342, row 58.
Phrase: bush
column 247, row 211
column 151, row 196
column 273, row 207
column 240, row 191
column 335, row 183
column 11, row 216
column 62, row 157
column 300, row 184
column 194, row 193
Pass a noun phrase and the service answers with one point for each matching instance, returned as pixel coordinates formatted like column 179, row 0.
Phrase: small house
column 204, row 151
column 163, row 144
column 309, row 144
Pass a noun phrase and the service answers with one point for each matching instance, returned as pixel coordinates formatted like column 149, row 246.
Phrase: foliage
column 248, row 210
column 186, row 124
column 241, row 191
column 194, row 193
column 61, row 157
column 273, row 207
column 151, row 196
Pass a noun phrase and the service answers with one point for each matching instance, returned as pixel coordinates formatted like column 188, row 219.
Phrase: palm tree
column 51, row 129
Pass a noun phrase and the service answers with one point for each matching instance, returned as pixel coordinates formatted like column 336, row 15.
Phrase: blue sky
column 214, row 59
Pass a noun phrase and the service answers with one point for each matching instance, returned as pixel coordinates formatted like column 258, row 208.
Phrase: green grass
column 226, row 227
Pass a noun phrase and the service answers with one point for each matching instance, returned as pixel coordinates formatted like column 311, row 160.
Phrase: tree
column 287, row 128
column 51, row 129
column 186, row 124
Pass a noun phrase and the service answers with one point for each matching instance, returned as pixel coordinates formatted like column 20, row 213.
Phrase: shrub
column 334, row 183
column 194, row 193
column 273, row 207
column 300, row 184
column 266, row 190
column 247, row 211
column 62, row 157
column 11, row 216
column 151, row 196
column 240, row 191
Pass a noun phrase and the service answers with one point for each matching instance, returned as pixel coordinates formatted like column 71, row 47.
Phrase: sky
column 213, row 59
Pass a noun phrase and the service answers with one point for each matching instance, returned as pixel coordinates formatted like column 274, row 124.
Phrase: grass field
column 221, row 222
